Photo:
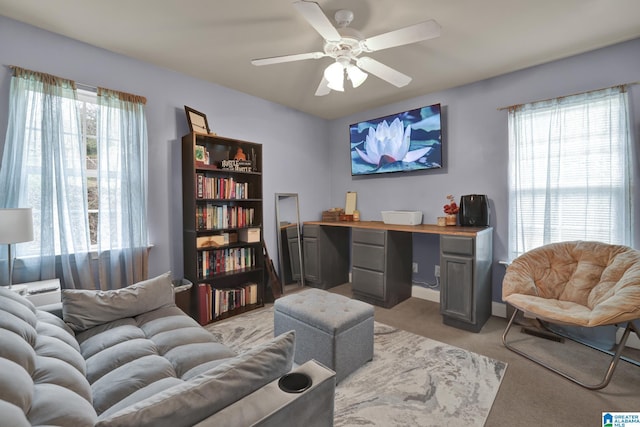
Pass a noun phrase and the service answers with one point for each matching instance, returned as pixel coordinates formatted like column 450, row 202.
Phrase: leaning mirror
column 288, row 230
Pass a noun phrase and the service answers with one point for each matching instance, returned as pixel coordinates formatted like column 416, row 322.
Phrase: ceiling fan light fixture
column 334, row 74
column 356, row 75
column 345, row 44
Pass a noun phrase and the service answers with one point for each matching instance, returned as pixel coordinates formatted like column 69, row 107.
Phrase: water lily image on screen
column 402, row 142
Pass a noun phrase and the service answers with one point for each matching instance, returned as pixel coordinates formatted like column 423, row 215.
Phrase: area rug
column 411, row 381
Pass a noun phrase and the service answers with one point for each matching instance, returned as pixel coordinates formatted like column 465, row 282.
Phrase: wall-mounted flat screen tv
column 402, row 142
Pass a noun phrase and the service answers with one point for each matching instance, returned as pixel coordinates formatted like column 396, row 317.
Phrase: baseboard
column 633, row 341
column 425, row 293
column 499, row 309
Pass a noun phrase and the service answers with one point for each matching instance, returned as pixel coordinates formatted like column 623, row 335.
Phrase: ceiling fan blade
column 288, row 58
column 323, row 88
column 414, row 33
column 314, row 15
column 382, row 71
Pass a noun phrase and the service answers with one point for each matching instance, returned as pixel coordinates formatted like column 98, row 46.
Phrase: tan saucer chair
column 576, row 283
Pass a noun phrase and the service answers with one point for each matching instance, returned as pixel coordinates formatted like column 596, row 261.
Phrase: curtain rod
column 565, row 96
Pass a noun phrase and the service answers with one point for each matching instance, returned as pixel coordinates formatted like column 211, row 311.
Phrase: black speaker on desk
column 474, row 210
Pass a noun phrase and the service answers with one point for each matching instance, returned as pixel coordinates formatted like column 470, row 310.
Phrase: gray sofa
column 132, row 358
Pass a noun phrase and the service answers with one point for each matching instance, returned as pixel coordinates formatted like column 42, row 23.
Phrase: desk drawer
column 292, row 231
column 368, row 282
column 310, row 230
column 367, row 256
column 456, row 245
column 372, row 237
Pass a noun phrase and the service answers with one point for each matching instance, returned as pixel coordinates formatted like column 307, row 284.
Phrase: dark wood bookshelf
column 217, row 150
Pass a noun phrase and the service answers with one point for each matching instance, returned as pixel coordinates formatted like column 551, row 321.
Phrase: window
column 83, row 130
column 79, row 160
column 569, row 171
column 88, row 110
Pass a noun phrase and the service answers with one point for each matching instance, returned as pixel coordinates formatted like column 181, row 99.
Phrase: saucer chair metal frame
column 608, row 373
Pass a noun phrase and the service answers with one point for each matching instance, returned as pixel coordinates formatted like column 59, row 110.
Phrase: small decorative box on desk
column 332, row 215
column 402, row 217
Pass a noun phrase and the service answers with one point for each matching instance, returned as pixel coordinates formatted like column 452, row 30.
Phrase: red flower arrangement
column 451, row 208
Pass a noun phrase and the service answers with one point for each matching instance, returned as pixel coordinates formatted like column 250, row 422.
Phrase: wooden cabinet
column 326, row 256
column 381, row 271
column 465, row 287
column 222, row 225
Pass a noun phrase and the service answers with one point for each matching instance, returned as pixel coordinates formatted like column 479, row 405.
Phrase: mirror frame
column 281, row 263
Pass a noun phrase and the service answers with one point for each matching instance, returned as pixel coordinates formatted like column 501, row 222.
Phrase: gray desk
column 381, row 257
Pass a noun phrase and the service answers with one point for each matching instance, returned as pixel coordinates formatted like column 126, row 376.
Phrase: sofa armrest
column 270, row 406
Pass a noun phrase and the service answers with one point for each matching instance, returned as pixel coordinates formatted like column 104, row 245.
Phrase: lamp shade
column 356, row 75
column 334, row 74
column 16, row 225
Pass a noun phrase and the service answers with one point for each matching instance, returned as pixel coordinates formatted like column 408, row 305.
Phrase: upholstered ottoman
column 334, row 330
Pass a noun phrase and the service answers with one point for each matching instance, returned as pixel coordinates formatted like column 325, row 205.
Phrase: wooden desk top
column 420, row 228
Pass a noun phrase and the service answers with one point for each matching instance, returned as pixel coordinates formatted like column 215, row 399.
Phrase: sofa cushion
column 114, row 386
column 142, row 394
column 50, row 327
column 101, row 337
column 128, row 355
column 192, row 401
column 83, row 309
column 12, row 415
column 112, row 357
column 58, row 406
column 56, row 371
column 15, row 385
column 42, row 381
column 55, row 348
column 18, row 315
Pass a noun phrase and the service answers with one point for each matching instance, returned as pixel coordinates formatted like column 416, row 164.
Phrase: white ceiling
column 215, row 40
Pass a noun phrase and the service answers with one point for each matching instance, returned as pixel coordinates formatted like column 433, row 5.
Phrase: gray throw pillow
column 83, row 309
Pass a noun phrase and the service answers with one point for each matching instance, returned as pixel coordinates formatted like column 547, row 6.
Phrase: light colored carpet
column 411, row 381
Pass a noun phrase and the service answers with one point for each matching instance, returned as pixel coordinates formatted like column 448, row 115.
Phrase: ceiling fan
column 345, row 45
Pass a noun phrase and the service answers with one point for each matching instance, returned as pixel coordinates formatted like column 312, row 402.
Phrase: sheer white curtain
column 570, row 171
column 43, row 168
column 122, row 188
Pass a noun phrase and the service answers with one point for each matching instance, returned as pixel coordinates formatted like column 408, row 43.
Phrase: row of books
column 220, row 188
column 225, row 260
column 211, row 217
column 215, row 302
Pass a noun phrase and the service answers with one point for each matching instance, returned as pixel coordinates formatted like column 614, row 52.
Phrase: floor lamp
column 16, row 226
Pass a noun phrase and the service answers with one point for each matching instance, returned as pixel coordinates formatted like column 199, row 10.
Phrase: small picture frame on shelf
column 200, row 154
column 197, row 121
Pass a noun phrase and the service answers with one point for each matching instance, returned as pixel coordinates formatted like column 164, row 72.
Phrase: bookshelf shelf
column 227, row 274
column 222, row 198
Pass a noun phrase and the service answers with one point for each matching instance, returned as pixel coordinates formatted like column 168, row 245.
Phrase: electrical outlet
column 415, row 267
column 437, row 271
